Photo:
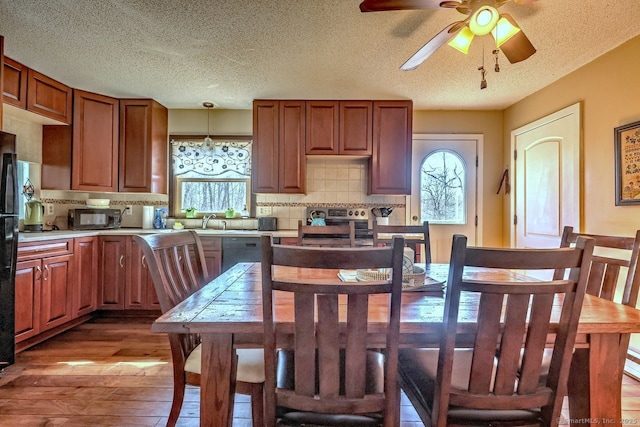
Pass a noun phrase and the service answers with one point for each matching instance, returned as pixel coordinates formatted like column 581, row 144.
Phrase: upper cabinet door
column 292, row 161
column 264, row 173
column 14, row 76
column 322, row 127
column 143, row 146
column 95, row 142
column 356, row 124
column 392, row 138
column 48, row 97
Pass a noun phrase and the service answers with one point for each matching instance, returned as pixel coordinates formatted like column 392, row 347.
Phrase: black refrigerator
column 8, row 246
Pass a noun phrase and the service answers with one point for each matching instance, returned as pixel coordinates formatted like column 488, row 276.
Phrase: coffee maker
column 33, row 209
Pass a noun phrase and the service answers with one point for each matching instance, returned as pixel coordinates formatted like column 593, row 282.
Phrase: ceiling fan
column 482, row 17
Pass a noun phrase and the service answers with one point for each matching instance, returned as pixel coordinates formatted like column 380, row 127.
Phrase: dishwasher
column 240, row 249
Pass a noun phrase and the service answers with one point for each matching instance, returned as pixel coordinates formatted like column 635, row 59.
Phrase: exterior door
column 547, row 179
column 446, row 196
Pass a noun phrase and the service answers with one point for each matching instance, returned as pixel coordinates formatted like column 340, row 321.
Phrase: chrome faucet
column 205, row 220
column 224, row 225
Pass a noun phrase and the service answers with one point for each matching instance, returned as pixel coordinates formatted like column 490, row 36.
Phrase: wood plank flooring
column 115, row 372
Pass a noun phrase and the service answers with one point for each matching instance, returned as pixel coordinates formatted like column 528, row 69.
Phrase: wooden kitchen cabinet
column 1, row 75
column 339, row 127
column 44, row 282
column 112, row 272
column 27, row 296
column 95, row 142
column 279, row 164
column 212, row 247
column 85, row 286
column 48, row 97
column 322, row 127
column 140, row 292
column 14, row 77
column 390, row 164
column 143, row 146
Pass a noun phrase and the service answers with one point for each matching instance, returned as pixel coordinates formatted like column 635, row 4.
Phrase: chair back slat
column 328, row 338
column 512, row 326
column 330, row 346
column 514, row 330
column 423, row 242
column 305, row 345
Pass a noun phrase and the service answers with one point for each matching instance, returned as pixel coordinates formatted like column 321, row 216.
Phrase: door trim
column 479, row 139
column 572, row 110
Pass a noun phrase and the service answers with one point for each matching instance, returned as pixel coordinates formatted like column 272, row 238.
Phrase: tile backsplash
column 331, row 182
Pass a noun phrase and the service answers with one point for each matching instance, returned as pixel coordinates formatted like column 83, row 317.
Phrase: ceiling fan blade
column 524, row 1
column 384, row 5
column 517, row 48
column 432, row 45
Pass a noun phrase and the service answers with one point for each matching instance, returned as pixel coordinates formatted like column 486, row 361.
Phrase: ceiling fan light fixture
column 462, row 40
column 503, row 31
column 483, row 20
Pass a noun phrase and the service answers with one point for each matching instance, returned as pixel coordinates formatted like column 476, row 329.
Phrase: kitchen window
column 210, row 176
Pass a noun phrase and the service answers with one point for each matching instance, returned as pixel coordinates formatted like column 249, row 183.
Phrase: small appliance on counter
column 94, row 218
column 267, row 223
column 33, row 209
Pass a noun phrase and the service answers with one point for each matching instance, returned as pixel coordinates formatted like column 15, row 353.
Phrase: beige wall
column 610, row 95
column 489, row 124
column 221, row 122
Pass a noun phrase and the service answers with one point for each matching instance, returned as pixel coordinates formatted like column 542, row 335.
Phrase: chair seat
column 250, row 364
column 417, row 369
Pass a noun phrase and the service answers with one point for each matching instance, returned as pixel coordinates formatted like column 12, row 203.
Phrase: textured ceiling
column 182, row 53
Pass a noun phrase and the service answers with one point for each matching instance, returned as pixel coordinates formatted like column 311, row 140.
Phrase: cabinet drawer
column 47, row 248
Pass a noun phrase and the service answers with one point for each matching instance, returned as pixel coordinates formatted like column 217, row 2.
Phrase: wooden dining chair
column 477, row 385
column 328, row 375
column 612, row 253
column 178, row 269
column 419, row 244
column 328, row 235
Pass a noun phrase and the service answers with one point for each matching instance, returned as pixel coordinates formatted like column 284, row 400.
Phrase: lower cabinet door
column 56, row 302
column 28, row 276
column 85, row 288
column 112, row 254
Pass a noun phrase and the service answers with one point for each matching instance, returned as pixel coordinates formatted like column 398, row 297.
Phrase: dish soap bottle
column 245, row 212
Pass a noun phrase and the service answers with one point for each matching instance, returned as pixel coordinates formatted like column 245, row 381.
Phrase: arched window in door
column 442, row 189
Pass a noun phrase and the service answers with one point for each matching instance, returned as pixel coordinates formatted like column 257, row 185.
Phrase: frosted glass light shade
column 483, row 20
column 503, row 31
column 462, row 40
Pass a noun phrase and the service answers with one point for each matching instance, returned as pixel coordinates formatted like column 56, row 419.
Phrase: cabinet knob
column 142, row 262
column 39, row 273
column 122, row 261
column 415, row 217
column 46, row 272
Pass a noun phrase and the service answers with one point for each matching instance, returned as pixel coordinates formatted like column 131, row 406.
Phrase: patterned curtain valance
column 217, row 159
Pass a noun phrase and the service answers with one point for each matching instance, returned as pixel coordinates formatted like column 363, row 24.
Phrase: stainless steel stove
column 341, row 216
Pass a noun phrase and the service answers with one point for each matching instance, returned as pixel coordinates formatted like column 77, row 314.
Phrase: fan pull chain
column 496, row 52
column 483, row 82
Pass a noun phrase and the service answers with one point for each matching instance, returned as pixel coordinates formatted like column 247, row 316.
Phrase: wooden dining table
column 227, row 313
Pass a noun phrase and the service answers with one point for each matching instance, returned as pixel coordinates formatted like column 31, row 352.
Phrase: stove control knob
column 362, row 213
column 351, row 213
column 357, row 213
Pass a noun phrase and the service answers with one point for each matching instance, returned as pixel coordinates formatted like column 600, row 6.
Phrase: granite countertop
column 69, row 234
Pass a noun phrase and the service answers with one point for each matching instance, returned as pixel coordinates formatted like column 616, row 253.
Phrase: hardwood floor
column 115, row 372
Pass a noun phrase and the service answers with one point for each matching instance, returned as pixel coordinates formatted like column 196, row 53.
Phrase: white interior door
column 547, row 179
column 466, row 148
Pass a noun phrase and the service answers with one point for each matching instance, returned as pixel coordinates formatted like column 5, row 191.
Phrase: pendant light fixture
column 208, row 105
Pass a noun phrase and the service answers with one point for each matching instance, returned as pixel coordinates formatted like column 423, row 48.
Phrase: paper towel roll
column 147, row 216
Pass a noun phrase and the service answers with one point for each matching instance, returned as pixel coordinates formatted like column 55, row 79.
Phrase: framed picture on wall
column 627, row 151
